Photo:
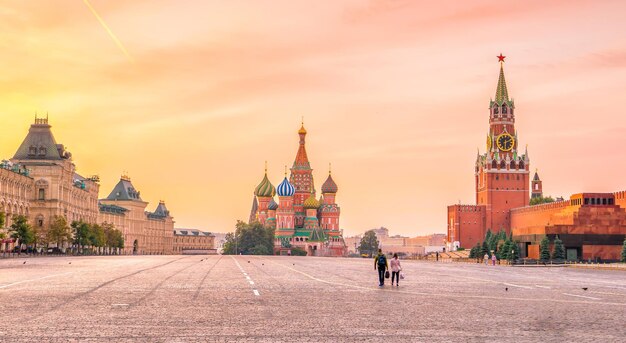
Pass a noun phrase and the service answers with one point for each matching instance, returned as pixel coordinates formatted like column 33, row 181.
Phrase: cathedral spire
column 502, row 94
column 302, row 160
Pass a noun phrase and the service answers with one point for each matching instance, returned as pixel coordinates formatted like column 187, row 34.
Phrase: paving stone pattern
column 302, row 299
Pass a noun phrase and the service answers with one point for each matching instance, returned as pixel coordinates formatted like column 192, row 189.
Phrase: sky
column 191, row 98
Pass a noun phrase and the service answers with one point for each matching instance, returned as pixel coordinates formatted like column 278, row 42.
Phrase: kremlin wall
column 41, row 182
column 591, row 225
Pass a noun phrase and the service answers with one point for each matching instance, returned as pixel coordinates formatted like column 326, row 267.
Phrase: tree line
column 499, row 244
column 82, row 237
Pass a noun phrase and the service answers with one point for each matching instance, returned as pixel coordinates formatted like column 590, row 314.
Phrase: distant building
column 219, row 240
column 194, row 242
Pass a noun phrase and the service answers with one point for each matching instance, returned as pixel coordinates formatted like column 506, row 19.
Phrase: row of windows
column 597, row 201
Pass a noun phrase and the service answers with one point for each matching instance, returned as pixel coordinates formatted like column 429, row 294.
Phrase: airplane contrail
column 111, row 34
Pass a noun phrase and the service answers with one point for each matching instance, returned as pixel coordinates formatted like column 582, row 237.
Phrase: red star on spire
column 501, row 58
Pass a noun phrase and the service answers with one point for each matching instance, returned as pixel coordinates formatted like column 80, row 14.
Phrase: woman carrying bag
column 395, row 269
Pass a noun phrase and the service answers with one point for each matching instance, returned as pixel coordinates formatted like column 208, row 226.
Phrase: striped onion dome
column 285, row 189
column 329, row 185
column 265, row 188
column 311, row 202
column 272, row 205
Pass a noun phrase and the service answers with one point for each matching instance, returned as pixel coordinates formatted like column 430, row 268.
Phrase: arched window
column 502, row 165
column 521, row 164
column 504, row 109
column 494, row 165
column 495, row 110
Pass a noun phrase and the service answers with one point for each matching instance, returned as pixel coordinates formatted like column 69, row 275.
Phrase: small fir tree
column 559, row 249
column 505, row 250
column 544, row 249
column 484, row 250
column 624, row 251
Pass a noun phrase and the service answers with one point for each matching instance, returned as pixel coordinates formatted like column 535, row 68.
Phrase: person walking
column 380, row 262
column 395, row 269
column 486, row 258
column 493, row 258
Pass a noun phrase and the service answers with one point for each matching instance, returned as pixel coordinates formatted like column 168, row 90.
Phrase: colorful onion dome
column 265, row 188
column 285, row 189
column 329, row 185
column 272, row 205
column 311, row 202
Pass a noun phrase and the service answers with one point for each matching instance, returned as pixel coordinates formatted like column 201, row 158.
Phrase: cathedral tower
column 329, row 211
column 264, row 193
column 302, row 179
column 285, row 215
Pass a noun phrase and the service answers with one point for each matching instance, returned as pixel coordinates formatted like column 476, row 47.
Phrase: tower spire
column 502, row 93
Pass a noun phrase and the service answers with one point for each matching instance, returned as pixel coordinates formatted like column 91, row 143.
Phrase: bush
column 298, row 252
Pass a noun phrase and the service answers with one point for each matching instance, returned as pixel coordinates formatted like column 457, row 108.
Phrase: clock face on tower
column 505, row 142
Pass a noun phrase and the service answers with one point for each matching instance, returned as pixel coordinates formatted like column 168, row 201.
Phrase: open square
column 302, row 299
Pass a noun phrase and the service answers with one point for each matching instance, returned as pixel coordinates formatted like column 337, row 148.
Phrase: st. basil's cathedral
column 299, row 218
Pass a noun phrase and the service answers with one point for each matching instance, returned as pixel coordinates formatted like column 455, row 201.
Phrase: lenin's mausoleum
column 591, row 225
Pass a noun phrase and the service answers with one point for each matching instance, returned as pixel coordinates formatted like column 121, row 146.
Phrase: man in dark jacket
column 380, row 261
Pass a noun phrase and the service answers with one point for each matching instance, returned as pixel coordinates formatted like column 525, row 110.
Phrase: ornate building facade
column 41, row 182
column 194, row 242
column 144, row 232
column 299, row 217
column 591, row 225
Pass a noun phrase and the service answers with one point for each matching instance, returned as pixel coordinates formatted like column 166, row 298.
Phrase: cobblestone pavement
column 302, row 299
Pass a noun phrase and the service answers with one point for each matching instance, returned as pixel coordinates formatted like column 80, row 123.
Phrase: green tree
column 544, row 249
column 484, row 249
column 59, row 231
column 2, row 219
column 230, row 244
column 624, row 251
column 250, row 239
column 114, row 239
column 474, row 251
column 369, row 243
column 504, row 253
column 295, row 251
column 97, row 236
column 21, row 230
column 81, row 234
column 540, row 200
column 559, row 249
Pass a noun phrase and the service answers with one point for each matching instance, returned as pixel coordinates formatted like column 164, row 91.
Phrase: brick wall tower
column 536, row 187
column 501, row 174
column 302, row 179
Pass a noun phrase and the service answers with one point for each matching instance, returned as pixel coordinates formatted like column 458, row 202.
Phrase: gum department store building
column 41, row 182
column 591, row 225
column 300, row 219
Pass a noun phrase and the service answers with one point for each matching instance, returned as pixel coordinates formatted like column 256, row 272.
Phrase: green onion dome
column 265, row 188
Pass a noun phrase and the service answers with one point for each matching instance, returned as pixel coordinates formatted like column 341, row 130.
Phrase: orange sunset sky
column 393, row 93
